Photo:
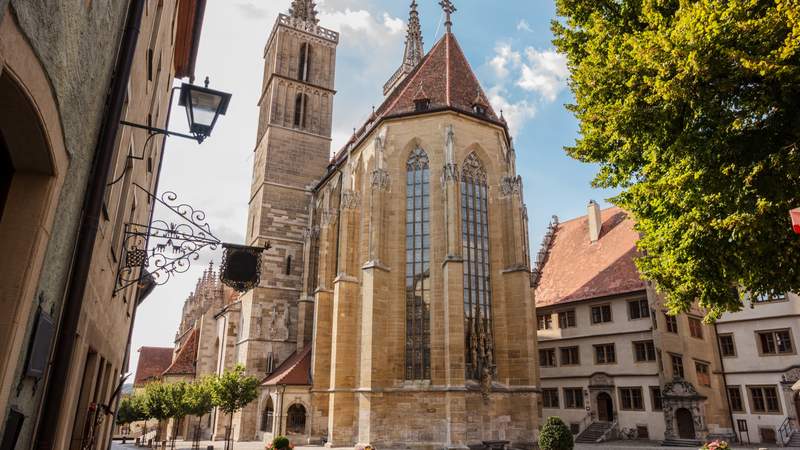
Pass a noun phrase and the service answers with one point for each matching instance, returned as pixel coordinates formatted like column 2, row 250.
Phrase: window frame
column 738, row 390
column 671, row 323
column 702, row 375
column 550, row 394
column 554, row 357
column 722, row 346
column 696, row 324
column 544, row 322
column 646, row 351
column 677, row 357
column 656, row 400
column 577, row 354
column 567, row 315
column 638, row 304
column 773, row 333
column 576, row 395
column 605, row 346
column 622, row 397
column 763, row 389
column 602, row 316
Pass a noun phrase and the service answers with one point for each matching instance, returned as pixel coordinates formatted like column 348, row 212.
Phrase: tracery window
column 475, row 251
column 418, row 273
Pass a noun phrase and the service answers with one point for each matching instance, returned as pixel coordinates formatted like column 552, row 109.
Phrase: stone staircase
column 794, row 441
column 681, row 443
column 593, row 432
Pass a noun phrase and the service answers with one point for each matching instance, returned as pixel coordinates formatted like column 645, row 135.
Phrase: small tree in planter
column 199, row 400
column 233, row 391
column 555, row 435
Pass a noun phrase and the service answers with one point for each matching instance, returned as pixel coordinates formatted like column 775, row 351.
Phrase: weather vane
column 449, row 9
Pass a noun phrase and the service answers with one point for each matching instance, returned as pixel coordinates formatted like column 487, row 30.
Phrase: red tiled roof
column 444, row 77
column 578, row 269
column 185, row 362
column 152, row 363
column 295, row 371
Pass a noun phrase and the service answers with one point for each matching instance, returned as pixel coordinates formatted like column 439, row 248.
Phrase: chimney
column 595, row 222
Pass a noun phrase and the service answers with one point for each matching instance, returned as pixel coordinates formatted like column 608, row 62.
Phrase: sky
column 507, row 42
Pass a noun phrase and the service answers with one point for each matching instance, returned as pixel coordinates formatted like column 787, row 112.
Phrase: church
column 395, row 306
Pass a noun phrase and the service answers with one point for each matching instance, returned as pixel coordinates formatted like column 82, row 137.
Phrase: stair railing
column 785, row 431
column 607, row 434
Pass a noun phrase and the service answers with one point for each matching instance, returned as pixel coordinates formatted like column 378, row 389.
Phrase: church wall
column 372, row 414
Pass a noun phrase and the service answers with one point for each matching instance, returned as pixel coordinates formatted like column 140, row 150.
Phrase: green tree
column 233, row 391
column 126, row 414
column 200, row 398
column 555, row 435
column 179, row 405
column 160, row 404
column 692, row 109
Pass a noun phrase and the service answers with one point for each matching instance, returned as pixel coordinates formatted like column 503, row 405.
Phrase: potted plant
column 716, row 445
column 555, row 435
column 280, row 443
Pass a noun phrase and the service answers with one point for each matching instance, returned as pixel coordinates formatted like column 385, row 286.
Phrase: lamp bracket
column 156, row 131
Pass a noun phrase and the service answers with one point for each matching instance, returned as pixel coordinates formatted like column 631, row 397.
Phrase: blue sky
column 508, row 43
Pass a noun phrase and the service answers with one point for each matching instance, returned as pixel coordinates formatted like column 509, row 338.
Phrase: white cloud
column 544, row 72
column 523, row 25
column 516, row 113
column 394, row 24
column 504, row 58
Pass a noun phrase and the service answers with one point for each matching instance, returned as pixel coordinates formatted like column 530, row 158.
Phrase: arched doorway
column 605, row 407
column 296, row 419
column 685, row 421
column 267, row 416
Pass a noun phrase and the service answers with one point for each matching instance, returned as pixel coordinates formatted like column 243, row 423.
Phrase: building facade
column 614, row 363
column 402, row 261
column 61, row 69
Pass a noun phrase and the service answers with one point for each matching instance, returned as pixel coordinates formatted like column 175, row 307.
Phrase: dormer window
column 422, row 104
column 479, row 109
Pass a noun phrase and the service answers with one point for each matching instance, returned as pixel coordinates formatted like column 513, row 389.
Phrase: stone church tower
column 403, row 262
column 291, row 155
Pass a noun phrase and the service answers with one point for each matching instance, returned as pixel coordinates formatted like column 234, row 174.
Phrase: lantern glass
column 203, row 107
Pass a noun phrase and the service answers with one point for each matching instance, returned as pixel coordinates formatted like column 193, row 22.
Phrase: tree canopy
column 199, row 397
column 692, row 109
column 233, row 390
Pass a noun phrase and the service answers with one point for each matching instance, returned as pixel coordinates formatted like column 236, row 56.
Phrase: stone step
column 681, row 443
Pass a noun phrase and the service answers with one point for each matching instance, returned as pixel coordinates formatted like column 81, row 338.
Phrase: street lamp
column 795, row 213
column 203, row 107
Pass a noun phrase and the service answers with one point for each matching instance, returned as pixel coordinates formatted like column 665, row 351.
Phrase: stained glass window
column 418, row 272
column 475, row 251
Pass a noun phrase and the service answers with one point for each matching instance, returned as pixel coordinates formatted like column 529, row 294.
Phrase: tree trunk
column 230, row 432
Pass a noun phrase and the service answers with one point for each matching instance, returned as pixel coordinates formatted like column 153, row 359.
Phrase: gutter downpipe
column 725, row 382
column 90, row 218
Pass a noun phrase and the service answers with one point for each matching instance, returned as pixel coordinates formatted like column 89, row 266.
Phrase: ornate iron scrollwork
column 241, row 266
column 164, row 248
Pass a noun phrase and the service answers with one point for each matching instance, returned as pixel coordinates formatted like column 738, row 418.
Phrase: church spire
column 413, row 52
column 305, row 10
column 414, row 45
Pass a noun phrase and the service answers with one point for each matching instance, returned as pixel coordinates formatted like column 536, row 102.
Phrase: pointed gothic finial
column 414, row 45
column 305, row 10
column 449, row 9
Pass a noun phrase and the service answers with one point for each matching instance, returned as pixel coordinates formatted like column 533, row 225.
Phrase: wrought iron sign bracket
column 174, row 244
column 155, row 252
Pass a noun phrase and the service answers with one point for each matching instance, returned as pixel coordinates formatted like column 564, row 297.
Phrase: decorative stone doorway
column 605, row 407
column 683, row 411
column 683, row 417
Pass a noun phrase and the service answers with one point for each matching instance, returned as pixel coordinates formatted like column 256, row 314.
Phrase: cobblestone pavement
column 615, row 445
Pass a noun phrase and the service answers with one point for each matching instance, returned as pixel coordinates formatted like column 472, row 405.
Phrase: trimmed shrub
column 555, row 435
column 280, row 443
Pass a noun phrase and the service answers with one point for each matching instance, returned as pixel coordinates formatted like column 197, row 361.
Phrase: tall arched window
column 475, row 251
column 300, row 110
column 418, row 272
column 267, row 416
column 304, row 62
